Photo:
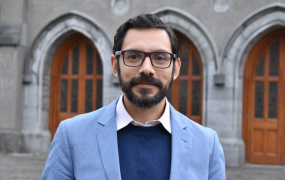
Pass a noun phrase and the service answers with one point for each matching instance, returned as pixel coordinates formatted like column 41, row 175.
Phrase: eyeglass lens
column 159, row 59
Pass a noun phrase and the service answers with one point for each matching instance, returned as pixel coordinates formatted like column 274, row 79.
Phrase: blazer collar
column 108, row 145
column 107, row 141
column 181, row 146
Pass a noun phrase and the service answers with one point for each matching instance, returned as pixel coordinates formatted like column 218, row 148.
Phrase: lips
column 146, row 84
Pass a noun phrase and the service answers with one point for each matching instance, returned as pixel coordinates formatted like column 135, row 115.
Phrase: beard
column 144, row 101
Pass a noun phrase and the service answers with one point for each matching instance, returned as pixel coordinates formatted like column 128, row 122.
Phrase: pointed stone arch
column 248, row 32
column 194, row 30
column 232, row 65
column 37, row 72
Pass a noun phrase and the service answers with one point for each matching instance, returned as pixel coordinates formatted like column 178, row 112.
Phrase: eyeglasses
column 133, row 58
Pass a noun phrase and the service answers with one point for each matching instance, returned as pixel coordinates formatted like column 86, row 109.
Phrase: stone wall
column 32, row 30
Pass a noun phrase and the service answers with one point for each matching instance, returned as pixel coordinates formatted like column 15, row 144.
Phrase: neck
column 142, row 115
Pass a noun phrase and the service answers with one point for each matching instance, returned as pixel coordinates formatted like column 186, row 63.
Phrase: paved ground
column 256, row 172
column 21, row 166
column 28, row 167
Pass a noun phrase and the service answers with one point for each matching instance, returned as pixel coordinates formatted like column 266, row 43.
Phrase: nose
column 146, row 68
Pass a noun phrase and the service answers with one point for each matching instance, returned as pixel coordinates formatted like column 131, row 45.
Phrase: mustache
column 144, row 78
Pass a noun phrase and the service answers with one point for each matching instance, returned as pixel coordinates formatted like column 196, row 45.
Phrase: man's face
column 145, row 86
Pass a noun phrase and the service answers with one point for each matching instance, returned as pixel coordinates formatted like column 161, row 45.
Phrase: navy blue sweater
column 144, row 153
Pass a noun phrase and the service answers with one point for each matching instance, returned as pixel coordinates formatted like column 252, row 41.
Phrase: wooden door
column 76, row 80
column 186, row 91
column 264, row 101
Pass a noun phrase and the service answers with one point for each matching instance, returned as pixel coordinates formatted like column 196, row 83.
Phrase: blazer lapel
column 181, row 147
column 108, row 145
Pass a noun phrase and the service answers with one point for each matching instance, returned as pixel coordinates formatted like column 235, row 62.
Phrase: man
column 140, row 135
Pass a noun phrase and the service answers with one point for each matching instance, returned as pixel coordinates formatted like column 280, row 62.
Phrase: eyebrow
column 159, row 50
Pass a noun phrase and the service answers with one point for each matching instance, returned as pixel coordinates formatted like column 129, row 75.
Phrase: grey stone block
column 234, row 150
column 219, row 79
column 12, row 34
column 36, row 141
column 11, row 141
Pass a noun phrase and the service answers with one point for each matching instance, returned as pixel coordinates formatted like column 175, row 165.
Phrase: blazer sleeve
column 59, row 163
column 217, row 162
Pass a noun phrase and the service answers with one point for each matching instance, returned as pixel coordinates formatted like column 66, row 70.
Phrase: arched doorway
column 186, row 91
column 76, row 80
column 264, row 101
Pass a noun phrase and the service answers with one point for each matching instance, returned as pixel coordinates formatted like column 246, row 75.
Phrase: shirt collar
column 123, row 118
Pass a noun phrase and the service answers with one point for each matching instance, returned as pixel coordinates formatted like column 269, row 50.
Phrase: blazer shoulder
column 91, row 119
column 193, row 127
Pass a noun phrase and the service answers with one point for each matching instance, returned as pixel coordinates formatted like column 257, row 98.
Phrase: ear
column 177, row 68
column 115, row 65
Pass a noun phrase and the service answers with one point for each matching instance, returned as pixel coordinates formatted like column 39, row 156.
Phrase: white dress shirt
column 123, row 118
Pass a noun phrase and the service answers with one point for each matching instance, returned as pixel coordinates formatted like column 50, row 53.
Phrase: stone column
column 12, row 53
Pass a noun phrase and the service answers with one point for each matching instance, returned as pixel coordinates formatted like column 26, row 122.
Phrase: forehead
column 152, row 39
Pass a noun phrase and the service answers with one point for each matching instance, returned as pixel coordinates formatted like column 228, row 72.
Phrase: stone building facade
column 229, row 36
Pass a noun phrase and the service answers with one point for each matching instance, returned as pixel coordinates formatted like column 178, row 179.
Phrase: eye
column 160, row 56
column 133, row 55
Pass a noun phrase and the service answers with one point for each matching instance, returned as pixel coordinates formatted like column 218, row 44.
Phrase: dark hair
column 144, row 21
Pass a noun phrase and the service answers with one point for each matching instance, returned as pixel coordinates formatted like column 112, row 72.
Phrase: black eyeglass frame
column 147, row 54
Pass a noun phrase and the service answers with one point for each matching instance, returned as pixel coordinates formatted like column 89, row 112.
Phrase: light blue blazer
column 85, row 148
